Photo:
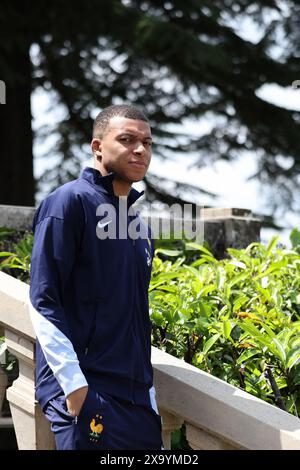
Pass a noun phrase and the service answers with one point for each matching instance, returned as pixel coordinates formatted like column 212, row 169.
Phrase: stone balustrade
column 216, row 414
column 31, row 427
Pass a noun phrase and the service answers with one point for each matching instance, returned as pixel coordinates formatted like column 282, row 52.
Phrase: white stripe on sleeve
column 59, row 353
column 152, row 394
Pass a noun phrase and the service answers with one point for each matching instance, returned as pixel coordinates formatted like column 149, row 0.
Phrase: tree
column 178, row 59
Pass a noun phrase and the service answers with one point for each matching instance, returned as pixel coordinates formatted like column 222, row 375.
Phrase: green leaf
column 272, row 244
column 193, row 271
column 196, row 246
column 295, row 237
column 251, row 246
column 258, row 336
column 167, row 288
column 210, row 342
column 205, row 309
column 246, row 355
column 165, row 252
column 239, row 302
column 227, row 329
column 293, row 359
column 269, row 331
column 274, row 267
column 207, row 290
column 237, row 279
column 280, row 349
column 238, row 264
column 198, row 262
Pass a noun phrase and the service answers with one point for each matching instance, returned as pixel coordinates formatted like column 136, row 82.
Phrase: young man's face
column 125, row 148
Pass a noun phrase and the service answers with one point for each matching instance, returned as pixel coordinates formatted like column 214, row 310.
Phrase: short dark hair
column 102, row 121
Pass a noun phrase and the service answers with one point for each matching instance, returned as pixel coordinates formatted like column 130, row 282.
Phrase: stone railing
column 31, row 427
column 216, row 415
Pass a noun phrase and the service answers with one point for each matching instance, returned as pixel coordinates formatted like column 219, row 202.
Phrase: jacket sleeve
column 57, row 231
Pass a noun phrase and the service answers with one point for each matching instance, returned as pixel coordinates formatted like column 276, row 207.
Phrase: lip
column 138, row 164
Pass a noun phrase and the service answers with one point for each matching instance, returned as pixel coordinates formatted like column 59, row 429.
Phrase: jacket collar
column 104, row 184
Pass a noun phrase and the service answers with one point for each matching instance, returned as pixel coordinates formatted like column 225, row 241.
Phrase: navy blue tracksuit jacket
column 89, row 296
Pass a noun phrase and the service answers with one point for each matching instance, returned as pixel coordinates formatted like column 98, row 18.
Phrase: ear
column 96, row 148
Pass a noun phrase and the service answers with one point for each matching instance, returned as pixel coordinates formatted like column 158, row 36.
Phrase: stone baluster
column 3, row 386
column 200, row 439
column 31, row 427
column 170, row 423
column 3, row 378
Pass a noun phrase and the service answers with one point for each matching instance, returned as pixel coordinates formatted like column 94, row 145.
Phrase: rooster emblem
column 96, row 429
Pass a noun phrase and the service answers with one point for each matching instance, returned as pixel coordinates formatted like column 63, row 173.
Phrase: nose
column 139, row 148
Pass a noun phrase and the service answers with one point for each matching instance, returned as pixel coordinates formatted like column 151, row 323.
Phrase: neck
column 121, row 188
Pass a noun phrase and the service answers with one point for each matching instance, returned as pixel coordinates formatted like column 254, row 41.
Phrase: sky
column 226, row 179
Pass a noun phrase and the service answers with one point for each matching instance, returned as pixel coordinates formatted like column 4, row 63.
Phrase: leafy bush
column 238, row 318
column 15, row 251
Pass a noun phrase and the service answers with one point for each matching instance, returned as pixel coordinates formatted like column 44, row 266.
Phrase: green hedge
column 238, row 318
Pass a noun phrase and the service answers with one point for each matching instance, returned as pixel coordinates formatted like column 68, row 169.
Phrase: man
column 89, row 297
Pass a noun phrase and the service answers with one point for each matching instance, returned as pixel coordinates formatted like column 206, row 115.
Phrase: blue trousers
column 104, row 423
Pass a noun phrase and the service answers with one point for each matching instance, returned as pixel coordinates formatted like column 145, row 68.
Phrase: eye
column 148, row 143
column 126, row 140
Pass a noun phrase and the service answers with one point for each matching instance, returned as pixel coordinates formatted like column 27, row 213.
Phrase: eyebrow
column 131, row 134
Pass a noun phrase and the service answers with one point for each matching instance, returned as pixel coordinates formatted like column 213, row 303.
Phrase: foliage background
column 238, row 318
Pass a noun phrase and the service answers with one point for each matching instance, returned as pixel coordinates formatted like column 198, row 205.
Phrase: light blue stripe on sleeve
column 59, row 353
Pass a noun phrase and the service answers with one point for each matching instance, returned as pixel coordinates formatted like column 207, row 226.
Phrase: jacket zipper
column 134, row 306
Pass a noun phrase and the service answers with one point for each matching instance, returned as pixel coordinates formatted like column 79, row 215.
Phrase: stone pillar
column 3, row 376
column 229, row 228
column 31, row 427
column 170, row 423
column 17, row 217
column 3, row 386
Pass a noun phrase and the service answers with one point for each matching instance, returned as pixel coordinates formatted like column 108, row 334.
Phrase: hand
column 75, row 400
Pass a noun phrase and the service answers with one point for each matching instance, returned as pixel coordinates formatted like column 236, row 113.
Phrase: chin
column 136, row 177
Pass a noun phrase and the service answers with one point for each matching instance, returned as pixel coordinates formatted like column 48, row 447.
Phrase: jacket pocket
column 90, row 423
column 93, row 403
